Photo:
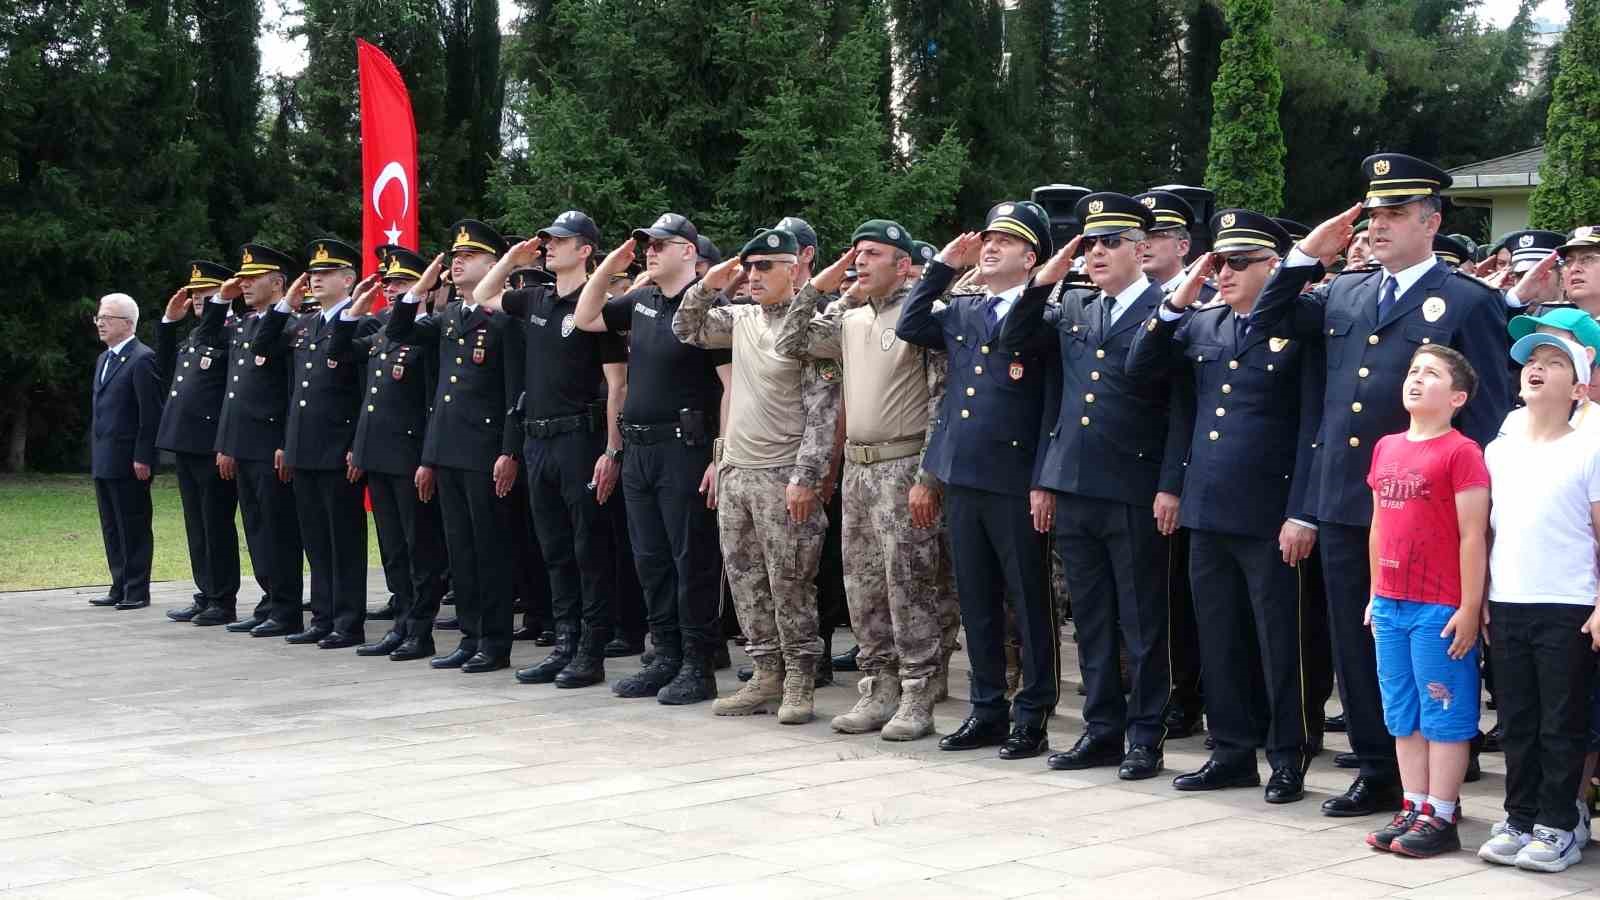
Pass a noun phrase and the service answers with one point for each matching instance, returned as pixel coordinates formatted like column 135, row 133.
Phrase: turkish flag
column 388, row 157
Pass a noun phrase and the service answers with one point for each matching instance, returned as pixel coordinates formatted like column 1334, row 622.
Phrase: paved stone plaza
column 142, row 758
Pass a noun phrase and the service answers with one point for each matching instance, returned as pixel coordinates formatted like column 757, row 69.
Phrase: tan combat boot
column 757, row 696
column 914, row 718
column 880, row 693
column 799, row 688
column 941, row 678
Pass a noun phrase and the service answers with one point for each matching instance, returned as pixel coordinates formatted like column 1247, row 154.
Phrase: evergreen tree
column 1568, row 194
column 227, row 117
column 1246, row 153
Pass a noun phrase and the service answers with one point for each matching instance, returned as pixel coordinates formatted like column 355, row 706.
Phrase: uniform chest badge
column 477, row 355
column 1015, row 370
column 261, row 360
column 567, row 324
column 1433, row 308
column 887, row 340
column 333, row 364
column 1277, row 344
column 398, row 371
column 205, row 363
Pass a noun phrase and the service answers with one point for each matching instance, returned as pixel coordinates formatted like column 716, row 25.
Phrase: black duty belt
column 645, row 435
column 543, row 428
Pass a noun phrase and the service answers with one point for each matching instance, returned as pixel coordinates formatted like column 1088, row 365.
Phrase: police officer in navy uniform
column 469, row 454
column 1115, row 458
column 196, row 375
column 323, row 408
column 571, row 470
column 1245, row 501
column 386, row 451
column 1166, row 250
column 1371, row 322
column 984, row 449
column 250, row 439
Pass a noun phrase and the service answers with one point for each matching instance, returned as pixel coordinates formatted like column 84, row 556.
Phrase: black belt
column 645, row 435
column 542, row 428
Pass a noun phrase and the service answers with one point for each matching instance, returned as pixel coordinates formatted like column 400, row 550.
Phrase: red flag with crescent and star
column 388, row 157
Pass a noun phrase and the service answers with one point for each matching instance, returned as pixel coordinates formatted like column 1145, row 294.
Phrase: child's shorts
column 1422, row 686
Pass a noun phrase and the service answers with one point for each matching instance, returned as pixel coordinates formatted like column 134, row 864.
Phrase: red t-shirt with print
column 1414, row 486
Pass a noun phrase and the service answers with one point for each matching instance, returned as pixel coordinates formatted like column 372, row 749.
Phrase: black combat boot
column 666, row 658
column 588, row 665
column 696, row 681
column 546, row 670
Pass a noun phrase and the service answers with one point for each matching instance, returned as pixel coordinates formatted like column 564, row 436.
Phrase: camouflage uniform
column 771, row 562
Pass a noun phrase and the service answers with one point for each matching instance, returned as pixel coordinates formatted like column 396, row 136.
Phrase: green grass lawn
column 50, row 533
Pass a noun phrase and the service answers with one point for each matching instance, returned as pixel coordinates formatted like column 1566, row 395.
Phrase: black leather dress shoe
column 846, row 661
column 455, row 659
column 385, row 612
column 975, row 733
column 1474, row 771
column 413, row 648
column 133, row 604
column 1365, row 797
column 484, row 663
column 185, row 614
column 245, row 626
column 385, row 646
column 546, row 638
column 213, row 615
column 1182, row 721
column 271, row 628
column 1491, row 740
column 1333, row 723
column 338, row 641
column 1346, row 761
column 309, row 636
column 1216, row 776
column 1087, row 753
column 622, row 645
column 526, row 633
column 1142, row 761
column 1025, row 742
column 104, row 601
column 1287, row 784
column 447, row 623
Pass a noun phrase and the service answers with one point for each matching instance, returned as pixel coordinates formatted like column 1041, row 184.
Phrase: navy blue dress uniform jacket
column 196, row 377
column 1257, row 408
column 326, row 397
column 394, row 402
column 126, row 411
column 255, row 410
column 1115, row 437
column 1367, row 361
column 991, row 423
column 480, row 376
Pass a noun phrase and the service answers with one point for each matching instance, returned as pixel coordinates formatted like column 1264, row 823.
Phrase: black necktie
column 990, row 314
column 1108, row 302
column 1241, row 329
column 1386, row 298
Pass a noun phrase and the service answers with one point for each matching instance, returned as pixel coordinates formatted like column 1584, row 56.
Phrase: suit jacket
column 480, row 370
column 398, row 388
column 1258, row 404
column 326, row 398
column 255, row 407
column 992, row 420
column 196, row 377
column 127, row 410
column 1367, row 361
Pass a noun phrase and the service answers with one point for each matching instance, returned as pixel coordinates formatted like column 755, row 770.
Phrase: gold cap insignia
column 1096, row 207
column 462, row 237
column 246, row 259
column 1228, row 220
column 1525, row 241
column 321, row 255
column 1277, row 344
column 194, row 273
column 394, row 264
column 1381, row 167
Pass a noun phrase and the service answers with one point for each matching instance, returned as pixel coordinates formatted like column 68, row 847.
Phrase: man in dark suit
column 196, row 377
column 983, row 448
column 127, row 410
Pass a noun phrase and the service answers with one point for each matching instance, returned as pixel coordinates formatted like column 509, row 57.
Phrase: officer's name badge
column 1433, row 308
column 1277, row 344
column 886, row 341
column 1015, row 370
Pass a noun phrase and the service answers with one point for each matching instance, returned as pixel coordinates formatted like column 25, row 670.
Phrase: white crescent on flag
column 391, row 172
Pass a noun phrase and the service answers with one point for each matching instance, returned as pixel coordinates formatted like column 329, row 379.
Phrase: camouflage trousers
column 771, row 562
column 898, row 579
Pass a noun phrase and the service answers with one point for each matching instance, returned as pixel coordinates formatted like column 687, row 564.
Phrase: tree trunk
column 17, row 438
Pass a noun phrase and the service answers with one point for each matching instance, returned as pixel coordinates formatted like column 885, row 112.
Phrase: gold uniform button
column 1084, row 420
column 377, row 371
column 461, row 341
column 966, row 414
column 1355, row 407
column 1427, row 340
column 1363, row 371
column 1372, row 339
column 1221, row 411
column 174, row 393
column 486, row 422
column 1269, row 367
column 984, row 349
column 235, row 378
column 447, row 398
column 972, row 392
column 1233, row 364
column 458, row 360
column 1094, row 376
column 313, row 346
column 1355, row 442
column 1213, row 435
column 308, row 365
column 302, row 403
column 186, row 362
column 371, row 408
column 1099, row 354
column 1227, row 389
column 374, row 389
column 241, row 360
column 180, row 377
column 977, row 370
column 230, row 395
column 1088, row 398
column 452, row 379
column 383, row 356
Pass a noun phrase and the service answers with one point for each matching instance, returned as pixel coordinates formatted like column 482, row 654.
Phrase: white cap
column 1524, row 347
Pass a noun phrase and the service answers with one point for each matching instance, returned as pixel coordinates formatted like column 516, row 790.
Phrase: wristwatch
column 1167, row 304
column 614, row 455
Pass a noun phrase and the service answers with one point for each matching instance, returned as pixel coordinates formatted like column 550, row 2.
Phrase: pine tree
column 1568, row 194
column 227, row 117
column 1246, row 154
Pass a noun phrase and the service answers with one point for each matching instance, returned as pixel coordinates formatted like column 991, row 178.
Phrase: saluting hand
column 1057, row 266
column 366, row 293
column 430, row 276
column 231, row 289
column 1539, row 283
column 1328, row 240
column 296, row 294
column 828, row 280
column 962, row 251
column 719, row 276
column 178, row 305
column 526, row 253
column 1189, row 292
column 618, row 260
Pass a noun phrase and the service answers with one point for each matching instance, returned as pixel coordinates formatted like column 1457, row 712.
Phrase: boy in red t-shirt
column 1430, row 521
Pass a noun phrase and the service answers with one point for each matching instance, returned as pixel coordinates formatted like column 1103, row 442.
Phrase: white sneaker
column 1504, row 843
column 1581, row 834
column 1549, row 851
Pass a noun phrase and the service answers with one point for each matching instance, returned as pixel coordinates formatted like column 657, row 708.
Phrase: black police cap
column 395, row 261
column 1240, row 230
column 572, row 223
column 800, row 228
column 260, row 259
column 206, row 274
column 1394, row 179
column 666, row 227
column 1106, row 213
column 329, row 254
column 1024, row 219
column 708, row 250
column 473, row 236
column 1169, row 210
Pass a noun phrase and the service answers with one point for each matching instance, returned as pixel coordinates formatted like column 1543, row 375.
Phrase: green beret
column 883, row 231
column 771, row 242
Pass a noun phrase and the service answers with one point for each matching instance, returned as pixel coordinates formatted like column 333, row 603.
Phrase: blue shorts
column 1422, row 686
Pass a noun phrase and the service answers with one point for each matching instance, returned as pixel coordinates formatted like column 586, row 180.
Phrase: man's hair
column 1136, row 235
column 1462, row 376
column 125, row 306
column 1430, row 205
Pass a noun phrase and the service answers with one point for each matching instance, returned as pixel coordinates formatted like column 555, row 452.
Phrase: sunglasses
column 1110, row 242
column 765, row 265
column 656, row 245
column 1238, row 263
